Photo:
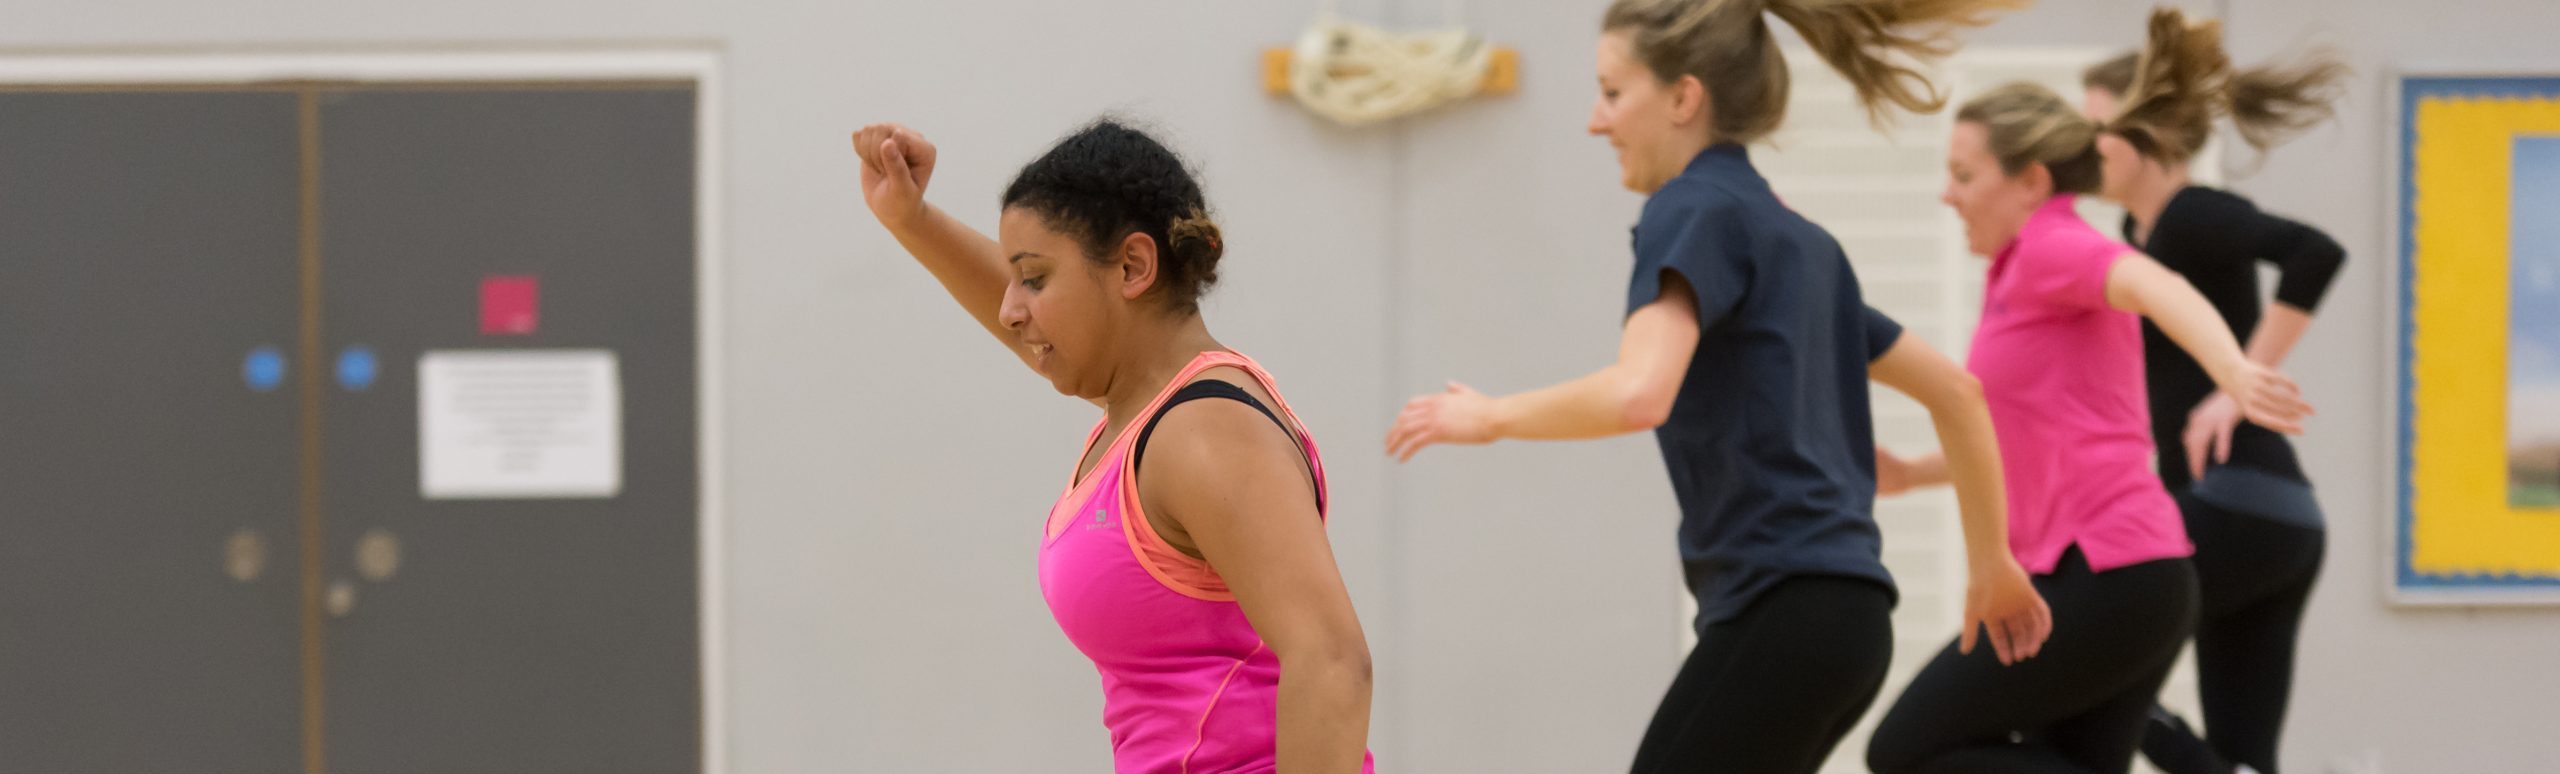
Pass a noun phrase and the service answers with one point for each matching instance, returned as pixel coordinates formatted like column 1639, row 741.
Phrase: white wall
column 888, row 469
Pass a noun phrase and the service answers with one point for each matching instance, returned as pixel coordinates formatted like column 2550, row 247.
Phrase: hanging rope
column 1356, row 74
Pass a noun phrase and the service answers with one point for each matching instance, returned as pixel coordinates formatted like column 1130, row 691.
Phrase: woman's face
column 2120, row 167
column 2099, row 104
column 1063, row 307
column 1652, row 124
column 1993, row 204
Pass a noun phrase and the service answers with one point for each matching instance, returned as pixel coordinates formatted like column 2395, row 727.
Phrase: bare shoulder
column 1223, row 427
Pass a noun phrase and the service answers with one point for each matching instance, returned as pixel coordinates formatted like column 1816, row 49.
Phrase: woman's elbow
column 1962, row 391
column 2328, row 260
column 1347, row 662
column 1644, row 406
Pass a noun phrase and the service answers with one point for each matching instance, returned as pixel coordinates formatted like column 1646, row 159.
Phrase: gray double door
column 215, row 554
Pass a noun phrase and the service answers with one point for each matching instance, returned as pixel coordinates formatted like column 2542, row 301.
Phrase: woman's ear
column 1688, row 100
column 2038, row 178
column 1138, row 263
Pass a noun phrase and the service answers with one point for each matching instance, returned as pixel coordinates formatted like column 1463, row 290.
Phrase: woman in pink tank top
column 1187, row 555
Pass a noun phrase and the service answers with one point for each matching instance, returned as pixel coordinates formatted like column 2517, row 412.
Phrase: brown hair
column 2182, row 80
column 2029, row 124
column 1727, row 46
column 2114, row 75
column 2271, row 103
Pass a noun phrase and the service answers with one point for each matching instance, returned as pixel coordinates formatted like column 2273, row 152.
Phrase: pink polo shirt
column 2062, row 371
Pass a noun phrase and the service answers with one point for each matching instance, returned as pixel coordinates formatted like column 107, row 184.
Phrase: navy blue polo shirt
column 1770, row 444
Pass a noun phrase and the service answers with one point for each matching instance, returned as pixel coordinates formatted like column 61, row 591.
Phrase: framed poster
column 2476, row 334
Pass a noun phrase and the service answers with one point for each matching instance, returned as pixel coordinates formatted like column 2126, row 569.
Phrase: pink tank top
column 1187, row 684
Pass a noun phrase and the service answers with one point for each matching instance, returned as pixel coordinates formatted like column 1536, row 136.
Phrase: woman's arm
column 1632, row 394
column 2138, row 284
column 1235, row 482
column 1999, row 599
column 2308, row 262
column 2211, row 423
column 897, row 163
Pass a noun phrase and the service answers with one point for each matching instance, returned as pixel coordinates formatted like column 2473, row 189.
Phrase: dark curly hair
column 1108, row 180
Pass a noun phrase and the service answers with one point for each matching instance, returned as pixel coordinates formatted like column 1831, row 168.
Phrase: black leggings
column 1774, row 689
column 2078, row 706
column 2256, row 575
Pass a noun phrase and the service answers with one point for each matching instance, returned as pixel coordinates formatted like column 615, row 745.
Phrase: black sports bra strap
column 1212, row 388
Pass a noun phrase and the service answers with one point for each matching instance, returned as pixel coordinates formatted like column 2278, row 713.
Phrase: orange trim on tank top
column 1200, row 729
column 1073, row 497
column 1170, row 566
column 1080, row 481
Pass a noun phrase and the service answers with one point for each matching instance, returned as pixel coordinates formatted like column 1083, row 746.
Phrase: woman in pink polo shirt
column 2059, row 353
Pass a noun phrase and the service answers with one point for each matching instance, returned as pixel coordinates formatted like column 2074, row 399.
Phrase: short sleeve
column 1882, row 332
column 1704, row 242
column 2067, row 267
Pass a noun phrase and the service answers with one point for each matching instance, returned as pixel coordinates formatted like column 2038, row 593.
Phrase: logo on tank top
column 1100, row 518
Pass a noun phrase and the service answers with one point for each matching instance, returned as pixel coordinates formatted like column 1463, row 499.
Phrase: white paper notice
column 519, row 423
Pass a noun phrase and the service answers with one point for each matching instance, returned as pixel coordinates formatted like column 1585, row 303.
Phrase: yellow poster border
column 2459, row 522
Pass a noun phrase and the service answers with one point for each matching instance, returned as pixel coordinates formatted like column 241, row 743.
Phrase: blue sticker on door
column 263, row 369
column 357, row 369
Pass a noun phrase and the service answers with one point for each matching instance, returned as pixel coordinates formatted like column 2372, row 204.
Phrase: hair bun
column 1195, row 235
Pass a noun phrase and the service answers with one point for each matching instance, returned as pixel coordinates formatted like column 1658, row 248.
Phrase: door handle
column 378, row 555
column 244, row 556
column 377, row 559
